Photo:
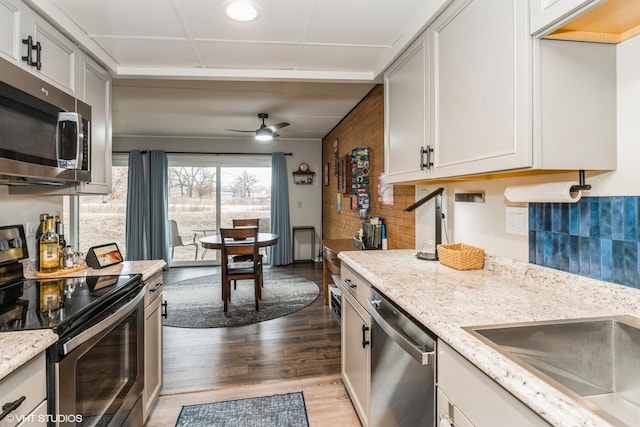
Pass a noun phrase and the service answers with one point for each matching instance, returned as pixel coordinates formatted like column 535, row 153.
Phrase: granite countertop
column 146, row 268
column 17, row 348
column 505, row 291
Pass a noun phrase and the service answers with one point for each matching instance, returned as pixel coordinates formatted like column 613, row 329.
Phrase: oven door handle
column 104, row 325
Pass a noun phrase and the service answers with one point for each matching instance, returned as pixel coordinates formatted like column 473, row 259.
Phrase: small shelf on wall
column 303, row 175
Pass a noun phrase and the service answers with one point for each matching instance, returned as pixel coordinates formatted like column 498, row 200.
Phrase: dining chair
column 244, row 222
column 240, row 241
column 175, row 239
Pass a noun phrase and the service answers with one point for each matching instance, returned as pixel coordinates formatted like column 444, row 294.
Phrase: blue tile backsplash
column 596, row 237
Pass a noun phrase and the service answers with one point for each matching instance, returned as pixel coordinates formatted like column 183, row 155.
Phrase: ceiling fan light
column 241, row 10
column 264, row 135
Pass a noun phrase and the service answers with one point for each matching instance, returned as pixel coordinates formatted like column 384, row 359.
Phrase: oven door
column 98, row 377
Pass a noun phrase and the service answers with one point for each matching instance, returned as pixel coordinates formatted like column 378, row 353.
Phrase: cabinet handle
column 165, row 309
column 350, row 283
column 29, row 42
column 428, row 163
column 158, row 286
column 365, row 342
column 9, row 407
column 38, row 63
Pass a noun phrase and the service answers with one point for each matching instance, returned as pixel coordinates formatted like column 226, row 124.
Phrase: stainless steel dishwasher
column 402, row 368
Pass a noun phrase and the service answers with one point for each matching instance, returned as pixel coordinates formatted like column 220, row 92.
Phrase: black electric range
column 61, row 304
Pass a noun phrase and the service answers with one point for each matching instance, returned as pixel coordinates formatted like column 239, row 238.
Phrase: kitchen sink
column 596, row 361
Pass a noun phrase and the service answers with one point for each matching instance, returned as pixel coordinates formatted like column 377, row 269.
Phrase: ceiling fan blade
column 278, row 126
column 235, row 130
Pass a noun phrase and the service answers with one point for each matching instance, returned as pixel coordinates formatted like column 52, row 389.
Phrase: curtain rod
column 204, row 152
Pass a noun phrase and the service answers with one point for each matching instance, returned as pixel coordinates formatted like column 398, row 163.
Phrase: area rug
column 280, row 410
column 197, row 302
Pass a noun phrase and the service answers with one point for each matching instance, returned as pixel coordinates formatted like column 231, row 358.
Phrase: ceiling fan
column 264, row 132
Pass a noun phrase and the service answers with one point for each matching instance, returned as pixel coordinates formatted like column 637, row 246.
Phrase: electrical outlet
column 517, row 221
column 32, row 229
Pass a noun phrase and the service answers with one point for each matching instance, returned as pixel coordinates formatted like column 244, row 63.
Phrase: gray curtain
column 158, row 206
column 136, row 207
column 147, row 206
column 280, row 254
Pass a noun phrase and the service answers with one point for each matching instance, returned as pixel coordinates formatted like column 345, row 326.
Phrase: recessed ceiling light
column 242, row 10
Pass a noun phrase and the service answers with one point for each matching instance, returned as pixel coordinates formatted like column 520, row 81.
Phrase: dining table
column 264, row 240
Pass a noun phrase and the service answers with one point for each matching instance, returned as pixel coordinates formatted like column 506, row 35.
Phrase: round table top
column 264, row 239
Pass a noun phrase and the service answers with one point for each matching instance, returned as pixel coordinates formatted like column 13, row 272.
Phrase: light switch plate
column 517, row 221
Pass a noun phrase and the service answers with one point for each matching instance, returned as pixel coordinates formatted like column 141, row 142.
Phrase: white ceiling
column 183, row 68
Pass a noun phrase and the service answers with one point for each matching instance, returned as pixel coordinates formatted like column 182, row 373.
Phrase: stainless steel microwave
column 45, row 133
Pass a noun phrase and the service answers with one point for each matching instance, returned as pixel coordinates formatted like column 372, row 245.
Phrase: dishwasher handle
column 406, row 343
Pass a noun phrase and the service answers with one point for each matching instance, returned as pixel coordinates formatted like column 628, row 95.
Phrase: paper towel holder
column 581, row 183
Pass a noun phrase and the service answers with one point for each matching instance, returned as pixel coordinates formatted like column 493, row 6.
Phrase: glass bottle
column 41, row 229
column 49, row 249
column 59, row 228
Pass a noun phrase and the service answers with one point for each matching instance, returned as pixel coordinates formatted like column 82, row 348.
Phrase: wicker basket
column 461, row 256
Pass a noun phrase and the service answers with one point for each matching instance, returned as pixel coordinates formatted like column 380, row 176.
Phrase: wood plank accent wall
column 364, row 127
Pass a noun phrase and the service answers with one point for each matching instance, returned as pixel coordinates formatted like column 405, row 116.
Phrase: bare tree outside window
column 244, row 184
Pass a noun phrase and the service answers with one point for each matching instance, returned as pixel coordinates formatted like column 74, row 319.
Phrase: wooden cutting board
column 62, row 272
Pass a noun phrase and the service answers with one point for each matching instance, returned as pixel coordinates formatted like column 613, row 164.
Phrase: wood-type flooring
column 298, row 352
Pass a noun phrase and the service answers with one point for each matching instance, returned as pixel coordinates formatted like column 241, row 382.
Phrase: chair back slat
column 245, row 222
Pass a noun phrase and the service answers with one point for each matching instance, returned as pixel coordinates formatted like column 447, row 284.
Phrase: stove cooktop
column 57, row 303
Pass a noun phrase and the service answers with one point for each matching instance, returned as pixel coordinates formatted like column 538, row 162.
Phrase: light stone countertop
column 146, row 268
column 505, row 291
column 17, row 348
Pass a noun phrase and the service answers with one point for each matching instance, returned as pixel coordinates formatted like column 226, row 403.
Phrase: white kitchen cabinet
column 28, row 382
column 481, row 87
column 407, row 147
column 356, row 336
column 446, row 410
column 479, row 400
column 94, row 88
column 9, row 30
column 57, row 53
column 152, row 344
column 548, row 13
column 503, row 101
column 406, row 119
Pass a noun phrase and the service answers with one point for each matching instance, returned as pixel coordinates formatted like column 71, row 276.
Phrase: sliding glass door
column 205, row 193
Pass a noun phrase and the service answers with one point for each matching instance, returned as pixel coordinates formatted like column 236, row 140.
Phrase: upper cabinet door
column 58, row 54
column 94, row 88
column 9, row 31
column 481, row 87
column 546, row 13
column 406, row 117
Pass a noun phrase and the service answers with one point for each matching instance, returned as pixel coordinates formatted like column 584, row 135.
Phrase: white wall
column 20, row 209
column 305, row 201
column 483, row 225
